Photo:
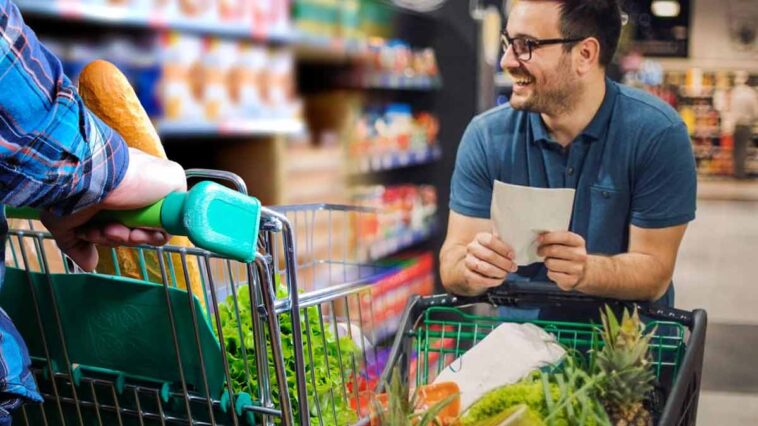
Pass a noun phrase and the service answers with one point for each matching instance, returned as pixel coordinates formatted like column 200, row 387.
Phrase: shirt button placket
column 570, row 179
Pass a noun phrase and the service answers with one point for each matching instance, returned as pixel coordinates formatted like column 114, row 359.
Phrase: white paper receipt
column 521, row 213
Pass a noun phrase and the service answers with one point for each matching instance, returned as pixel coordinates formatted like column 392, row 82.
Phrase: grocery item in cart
column 508, row 354
column 108, row 94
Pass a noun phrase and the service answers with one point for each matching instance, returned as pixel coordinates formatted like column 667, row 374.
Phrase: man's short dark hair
column 592, row 18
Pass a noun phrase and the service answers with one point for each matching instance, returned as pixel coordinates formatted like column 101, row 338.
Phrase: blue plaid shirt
column 54, row 155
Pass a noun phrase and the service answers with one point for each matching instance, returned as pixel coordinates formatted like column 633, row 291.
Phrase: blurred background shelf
column 503, row 80
column 131, row 17
column 396, row 82
column 395, row 244
column 257, row 127
column 398, row 160
column 322, row 49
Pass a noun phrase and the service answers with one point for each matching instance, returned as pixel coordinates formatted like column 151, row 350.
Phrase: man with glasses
column 567, row 125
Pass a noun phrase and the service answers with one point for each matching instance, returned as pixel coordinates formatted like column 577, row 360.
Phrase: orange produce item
column 428, row 395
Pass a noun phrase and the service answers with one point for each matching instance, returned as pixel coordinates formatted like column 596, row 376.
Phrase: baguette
column 108, row 94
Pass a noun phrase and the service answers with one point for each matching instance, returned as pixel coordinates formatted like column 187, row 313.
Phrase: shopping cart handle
column 536, row 293
column 213, row 216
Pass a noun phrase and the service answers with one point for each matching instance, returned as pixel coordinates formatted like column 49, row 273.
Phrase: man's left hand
column 565, row 258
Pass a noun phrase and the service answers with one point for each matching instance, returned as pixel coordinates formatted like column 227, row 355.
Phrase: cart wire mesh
column 178, row 335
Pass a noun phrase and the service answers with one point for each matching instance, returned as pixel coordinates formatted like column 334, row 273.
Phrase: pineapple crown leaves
column 624, row 358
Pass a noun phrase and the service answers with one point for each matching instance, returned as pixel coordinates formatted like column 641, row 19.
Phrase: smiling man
column 567, row 125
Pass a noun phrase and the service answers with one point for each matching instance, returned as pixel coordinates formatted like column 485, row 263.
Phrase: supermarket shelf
column 392, row 245
column 328, row 49
column 398, row 82
column 503, row 81
column 261, row 127
column 398, row 160
column 129, row 17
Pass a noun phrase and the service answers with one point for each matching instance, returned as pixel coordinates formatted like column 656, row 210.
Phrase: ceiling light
column 666, row 8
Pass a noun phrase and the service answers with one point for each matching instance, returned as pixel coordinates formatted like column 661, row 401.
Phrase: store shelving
column 131, row 17
column 257, row 127
column 402, row 241
column 328, row 49
column 503, row 80
column 399, row 82
column 397, row 160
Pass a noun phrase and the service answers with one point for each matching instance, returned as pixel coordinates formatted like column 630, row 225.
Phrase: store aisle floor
column 715, row 272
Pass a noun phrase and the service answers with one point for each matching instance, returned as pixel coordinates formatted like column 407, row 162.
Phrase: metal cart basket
column 179, row 335
column 437, row 330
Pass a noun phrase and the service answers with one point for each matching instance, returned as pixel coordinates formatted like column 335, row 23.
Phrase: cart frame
column 681, row 403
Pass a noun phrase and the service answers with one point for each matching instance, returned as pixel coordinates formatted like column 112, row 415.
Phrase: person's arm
column 473, row 259
column 57, row 156
column 644, row 273
column 663, row 202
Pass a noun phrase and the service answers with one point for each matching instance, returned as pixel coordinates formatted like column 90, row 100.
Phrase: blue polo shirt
column 633, row 164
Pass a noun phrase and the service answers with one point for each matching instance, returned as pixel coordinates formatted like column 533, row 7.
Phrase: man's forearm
column 630, row 276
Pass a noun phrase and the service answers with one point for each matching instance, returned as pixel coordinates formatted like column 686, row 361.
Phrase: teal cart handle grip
column 146, row 217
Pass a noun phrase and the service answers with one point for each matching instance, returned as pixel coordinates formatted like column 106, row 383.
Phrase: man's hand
column 565, row 258
column 488, row 261
column 77, row 238
column 147, row 180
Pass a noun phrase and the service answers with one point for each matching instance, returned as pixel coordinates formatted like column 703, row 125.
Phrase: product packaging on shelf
column 386, row 137
column 226, row 81
column 182, row 79
column 407, row 215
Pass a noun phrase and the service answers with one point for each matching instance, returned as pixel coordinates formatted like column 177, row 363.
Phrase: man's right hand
column 147, row 180
column 473, row 258
column 488, row 261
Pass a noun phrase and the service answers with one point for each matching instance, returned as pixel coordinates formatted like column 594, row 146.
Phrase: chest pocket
column 608, row 227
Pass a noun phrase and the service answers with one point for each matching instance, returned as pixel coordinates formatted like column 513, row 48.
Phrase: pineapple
column 627, row 370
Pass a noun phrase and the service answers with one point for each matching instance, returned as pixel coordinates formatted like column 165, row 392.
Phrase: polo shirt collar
column 595, row 130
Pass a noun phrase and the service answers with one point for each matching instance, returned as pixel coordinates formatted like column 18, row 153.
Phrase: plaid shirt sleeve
column 54, row 154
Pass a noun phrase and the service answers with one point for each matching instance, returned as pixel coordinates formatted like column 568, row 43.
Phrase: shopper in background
column 625, row 152
column 744, row 108
column 57, row 156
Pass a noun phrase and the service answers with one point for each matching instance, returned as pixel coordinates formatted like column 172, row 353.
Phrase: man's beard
column 558, row 98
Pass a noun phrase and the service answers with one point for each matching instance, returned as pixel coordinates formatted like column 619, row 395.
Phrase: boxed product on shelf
column 396, row 63
column 407, row 216
column 316, row 18
column 409, row 276
column 257, row 18
column 226, row 81
column 346, row 19
column 382, row 133
column 181, row 87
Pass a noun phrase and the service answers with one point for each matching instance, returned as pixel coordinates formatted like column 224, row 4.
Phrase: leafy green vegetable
column 563, row 398
column 327, row 363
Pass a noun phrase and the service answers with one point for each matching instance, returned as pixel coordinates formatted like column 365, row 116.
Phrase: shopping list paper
column 521, row 213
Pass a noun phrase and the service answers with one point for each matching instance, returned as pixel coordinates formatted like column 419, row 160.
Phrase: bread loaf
column 108, row 94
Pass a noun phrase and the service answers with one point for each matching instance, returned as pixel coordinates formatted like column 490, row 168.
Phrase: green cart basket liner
column 115, row 325
column 449, row 331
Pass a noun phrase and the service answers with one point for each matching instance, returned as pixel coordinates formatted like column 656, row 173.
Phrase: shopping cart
column 282, row 340
column 436, row 330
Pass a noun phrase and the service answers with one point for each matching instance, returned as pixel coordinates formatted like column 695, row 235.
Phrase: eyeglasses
column 523, row 47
